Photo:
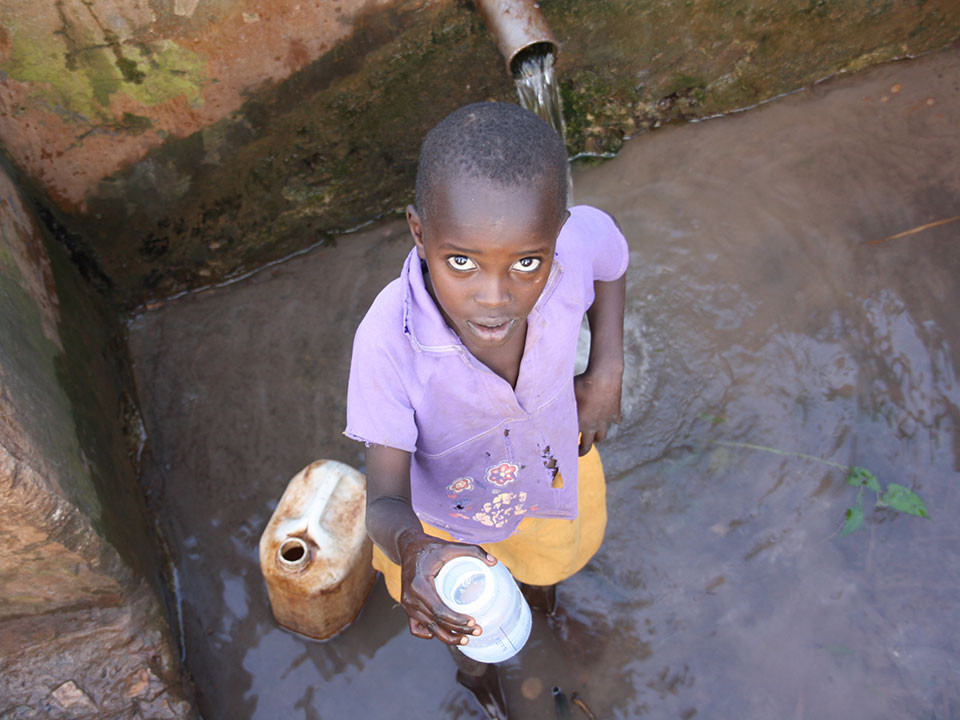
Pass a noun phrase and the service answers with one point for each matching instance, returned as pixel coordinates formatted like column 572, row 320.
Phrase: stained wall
column 82, row 631
column 190, row 141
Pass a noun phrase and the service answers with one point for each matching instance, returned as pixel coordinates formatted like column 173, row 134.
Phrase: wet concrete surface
column 765, row 307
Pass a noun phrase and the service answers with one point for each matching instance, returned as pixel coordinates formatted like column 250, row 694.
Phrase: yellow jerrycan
column 315, row 552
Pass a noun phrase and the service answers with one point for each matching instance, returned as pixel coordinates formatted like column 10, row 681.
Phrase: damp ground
column 768, row 306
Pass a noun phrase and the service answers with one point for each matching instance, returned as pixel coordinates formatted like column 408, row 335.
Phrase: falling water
column 537, row 86
column 539, row 92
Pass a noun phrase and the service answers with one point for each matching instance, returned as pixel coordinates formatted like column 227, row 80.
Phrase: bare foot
column 541, row 597
column 487, row 690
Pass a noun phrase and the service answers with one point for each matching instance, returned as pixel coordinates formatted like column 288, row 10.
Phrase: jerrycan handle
column 315, row 531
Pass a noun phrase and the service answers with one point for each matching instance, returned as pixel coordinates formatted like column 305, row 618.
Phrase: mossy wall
column 335, row 144
column 69, row 402
column 78, row 553
column 87, row 88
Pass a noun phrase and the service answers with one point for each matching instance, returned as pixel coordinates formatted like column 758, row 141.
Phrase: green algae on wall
column 629, row 65
column 329, row 148
column 168, row 70
column 335, row 144
column 76, row 72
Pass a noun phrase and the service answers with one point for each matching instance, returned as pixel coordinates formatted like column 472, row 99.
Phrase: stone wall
column 191, row 141
column 90, row 86
column 82, row 633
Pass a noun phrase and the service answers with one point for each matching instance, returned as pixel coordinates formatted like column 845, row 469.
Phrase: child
column 461, row 381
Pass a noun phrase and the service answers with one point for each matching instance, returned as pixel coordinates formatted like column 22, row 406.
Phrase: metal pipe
column 515, row 26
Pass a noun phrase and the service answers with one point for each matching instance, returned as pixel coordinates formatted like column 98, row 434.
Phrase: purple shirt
column 483, row 455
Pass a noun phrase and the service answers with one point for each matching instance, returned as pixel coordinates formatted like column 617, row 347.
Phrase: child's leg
column 483, row 680
column 540, row 597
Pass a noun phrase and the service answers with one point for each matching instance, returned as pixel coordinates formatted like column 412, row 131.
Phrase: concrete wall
column 175, row 143
column 90, row 86
column 81, row 629
column 188, row 141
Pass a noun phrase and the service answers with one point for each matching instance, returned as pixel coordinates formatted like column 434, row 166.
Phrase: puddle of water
column 758, row 312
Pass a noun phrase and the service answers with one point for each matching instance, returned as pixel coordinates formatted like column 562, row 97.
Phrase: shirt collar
column 422, row 321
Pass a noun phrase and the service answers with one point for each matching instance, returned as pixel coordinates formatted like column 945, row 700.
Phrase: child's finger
column 423, row 625
column 453, row 621
column 450, row 638
column 482, row 554
column 428, row 608
column 445, row 634
column 418, row 629
column 586, row 442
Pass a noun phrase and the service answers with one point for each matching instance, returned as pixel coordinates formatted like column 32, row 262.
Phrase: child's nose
column 493, row 292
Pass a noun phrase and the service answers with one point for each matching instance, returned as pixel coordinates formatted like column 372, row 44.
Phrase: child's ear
column 416, row 230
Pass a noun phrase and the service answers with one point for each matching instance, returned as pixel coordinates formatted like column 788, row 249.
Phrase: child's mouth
column 491, row 330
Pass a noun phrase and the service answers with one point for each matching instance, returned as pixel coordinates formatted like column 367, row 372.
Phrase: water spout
column 516, row 25
column 530, row 50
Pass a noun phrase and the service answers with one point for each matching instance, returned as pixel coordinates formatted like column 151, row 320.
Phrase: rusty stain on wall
column 87, row 88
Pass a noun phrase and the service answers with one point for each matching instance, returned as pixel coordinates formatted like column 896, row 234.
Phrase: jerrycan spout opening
column 293, row 555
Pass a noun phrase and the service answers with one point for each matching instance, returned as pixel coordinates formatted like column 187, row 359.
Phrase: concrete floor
column 766, row 307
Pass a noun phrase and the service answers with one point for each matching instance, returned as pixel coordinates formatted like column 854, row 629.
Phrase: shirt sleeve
column 379, row 411
column 603, row 246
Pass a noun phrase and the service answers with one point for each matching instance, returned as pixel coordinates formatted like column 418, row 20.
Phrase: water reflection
column 763, row 328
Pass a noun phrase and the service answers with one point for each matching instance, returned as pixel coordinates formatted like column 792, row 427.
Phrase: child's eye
column 527, row 264
column 461, row 262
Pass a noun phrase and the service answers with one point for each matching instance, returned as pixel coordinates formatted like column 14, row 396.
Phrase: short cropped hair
column 500, row 142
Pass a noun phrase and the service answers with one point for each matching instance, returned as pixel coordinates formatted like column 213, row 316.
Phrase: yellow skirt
column 541, row 551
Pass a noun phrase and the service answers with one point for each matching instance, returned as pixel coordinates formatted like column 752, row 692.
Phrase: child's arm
column 598, row 388
column 394, row 527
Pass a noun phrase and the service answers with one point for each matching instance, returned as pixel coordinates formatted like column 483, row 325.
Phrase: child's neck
column 505, row 360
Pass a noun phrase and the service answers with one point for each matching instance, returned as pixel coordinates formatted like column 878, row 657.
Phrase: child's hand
column 598, row 405
column 421, row 557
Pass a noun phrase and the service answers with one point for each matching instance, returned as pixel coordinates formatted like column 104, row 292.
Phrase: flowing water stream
column 537, row 85
column 777, row 316
column 539, row 91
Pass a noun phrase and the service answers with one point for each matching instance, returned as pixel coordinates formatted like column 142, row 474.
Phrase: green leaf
column 861, row 477
column 905, row 500
column 853, row 520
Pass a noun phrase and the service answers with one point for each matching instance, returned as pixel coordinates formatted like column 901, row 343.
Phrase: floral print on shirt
column 502, row 474
column 460, row 485
column 496, row 512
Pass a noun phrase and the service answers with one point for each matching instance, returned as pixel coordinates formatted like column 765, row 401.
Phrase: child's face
column 489, row 251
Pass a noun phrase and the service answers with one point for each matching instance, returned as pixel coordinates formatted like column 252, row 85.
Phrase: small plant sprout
column 895, row 497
